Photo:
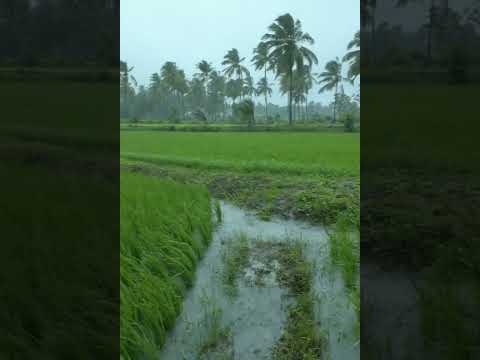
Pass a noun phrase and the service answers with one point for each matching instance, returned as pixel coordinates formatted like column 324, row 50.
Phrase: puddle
column 248, row 325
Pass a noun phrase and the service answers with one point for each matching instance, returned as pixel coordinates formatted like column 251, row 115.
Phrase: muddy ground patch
column 316, row 199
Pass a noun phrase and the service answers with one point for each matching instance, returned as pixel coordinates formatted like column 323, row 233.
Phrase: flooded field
column 259, row 286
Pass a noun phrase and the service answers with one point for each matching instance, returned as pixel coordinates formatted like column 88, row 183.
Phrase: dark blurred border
column 59, row 160
column 420, row 179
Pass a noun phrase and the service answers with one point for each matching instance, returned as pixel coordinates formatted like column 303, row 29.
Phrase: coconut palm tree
column 304, row 82
column 331, row 79
column 248, row 87
column 181, row 88
column 233, row 89
column 353, row 57
column 197, row 93
column 287, row 52
column 263, row 88
column 261, row 60
column 246, row 110
column 285, row 89
column 126, row 79
column 168, row 74
column 216, row 93
column 205, row 70
column 233, row 65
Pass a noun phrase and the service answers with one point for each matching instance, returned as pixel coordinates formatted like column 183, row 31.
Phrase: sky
column 188, row 31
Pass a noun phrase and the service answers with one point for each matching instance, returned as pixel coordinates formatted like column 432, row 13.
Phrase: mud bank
column 317, row 200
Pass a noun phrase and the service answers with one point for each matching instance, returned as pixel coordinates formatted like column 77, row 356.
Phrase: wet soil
column 317, row 200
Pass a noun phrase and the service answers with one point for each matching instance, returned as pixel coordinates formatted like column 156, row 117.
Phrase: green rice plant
column 235, row 257
column 345, row 250
column 164, row 229
column 345, row 253
column 215, row 337
column 283, row 153
column 301, row 338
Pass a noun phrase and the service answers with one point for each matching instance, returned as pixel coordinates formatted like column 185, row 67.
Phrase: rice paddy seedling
column 345, row 251
column 164, row 228
column 235, row 257
column 216, row 338
column 300, row 339
column 282, row 153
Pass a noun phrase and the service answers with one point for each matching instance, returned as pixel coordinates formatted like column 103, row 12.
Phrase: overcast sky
column 188, row 31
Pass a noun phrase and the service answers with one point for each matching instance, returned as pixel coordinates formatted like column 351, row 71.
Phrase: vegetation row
column 164, row 229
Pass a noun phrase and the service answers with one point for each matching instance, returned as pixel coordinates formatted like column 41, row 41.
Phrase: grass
column 235, row 257
column 293, row 153
column 345, row 251
column 164, row 228
column 216, row 338
column 300, row 338
column 314, row 199
column 345, row 254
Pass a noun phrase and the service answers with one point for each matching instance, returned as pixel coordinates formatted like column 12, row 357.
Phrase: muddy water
column 251, row 322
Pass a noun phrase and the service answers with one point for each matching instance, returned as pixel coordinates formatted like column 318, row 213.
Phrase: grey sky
column 187, row 31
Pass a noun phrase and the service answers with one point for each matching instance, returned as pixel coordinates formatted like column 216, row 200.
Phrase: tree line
column 213, row 94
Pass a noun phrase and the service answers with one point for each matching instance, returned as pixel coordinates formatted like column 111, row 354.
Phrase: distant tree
column 349, row 123
column 200, row 115
column 233, row 65
column 286, row 51
column 176, row 83
column 233, row 89
column 331, row 79
column 205, row 70
column 307, row 81
column 264, row 89
column 248, row 86
column 261, row 60
column 216, row 93
column 352, row 57
column 126, row 81
column 197, row 94
column 246, row 110
column 181, row 88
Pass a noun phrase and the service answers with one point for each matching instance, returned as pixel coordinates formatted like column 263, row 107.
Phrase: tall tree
column 168, row 74
column 181, row 88
column 126, row 79
column 248, row 87
column 331, row 79
column 233, row 65
column 216, row 94
column 352, row 57
column 264, row 89
column 261, row 60
column 285, row 44
column 307, row 83
column 233, row 89
column 205, row 69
